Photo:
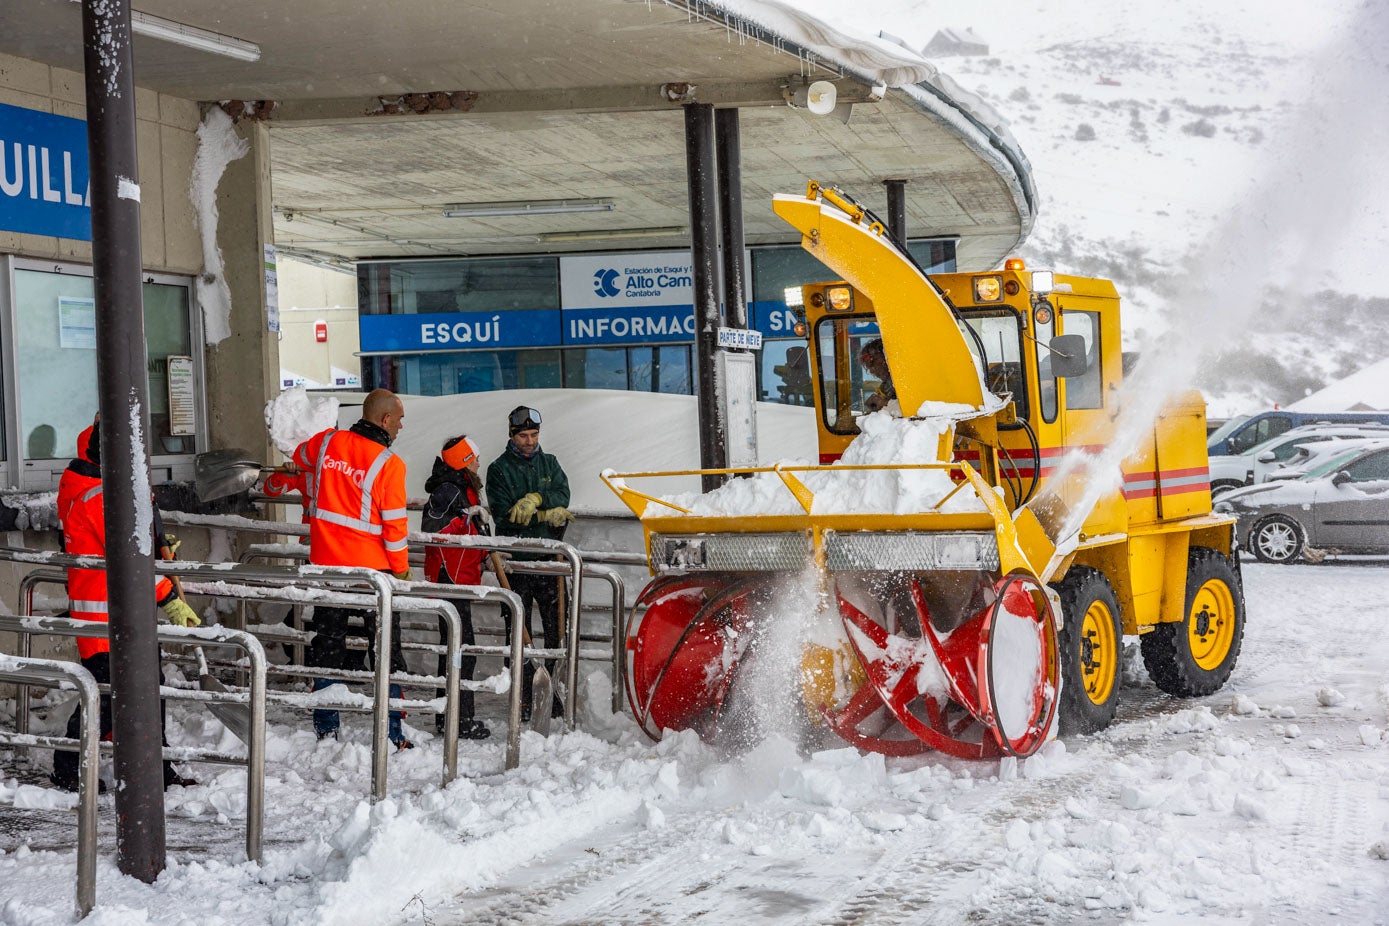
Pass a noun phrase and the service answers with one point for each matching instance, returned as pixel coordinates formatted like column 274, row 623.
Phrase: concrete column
column 243, row 371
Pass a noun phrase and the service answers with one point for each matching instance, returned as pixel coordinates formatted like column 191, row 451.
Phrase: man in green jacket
column 528, row 494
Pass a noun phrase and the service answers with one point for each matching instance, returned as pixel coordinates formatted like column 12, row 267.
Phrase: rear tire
column 1277, row 539
column 1224, row 485
column 1195, row 656
column 1091, row 651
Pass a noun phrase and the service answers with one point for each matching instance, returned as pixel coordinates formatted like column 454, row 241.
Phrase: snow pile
column 294, row 416
column 883, row 440
column 1365, row 389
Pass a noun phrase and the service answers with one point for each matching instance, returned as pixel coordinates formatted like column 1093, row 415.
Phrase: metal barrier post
column 53, row 674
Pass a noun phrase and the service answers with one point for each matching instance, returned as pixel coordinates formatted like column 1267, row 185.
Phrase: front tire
column 1091, row 645
column 1224, row 485
column 1277, row 539
column 1195, row 656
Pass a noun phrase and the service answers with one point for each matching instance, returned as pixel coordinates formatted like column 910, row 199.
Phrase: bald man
column 357, row 518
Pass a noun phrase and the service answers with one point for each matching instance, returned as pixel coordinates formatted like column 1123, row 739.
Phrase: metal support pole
column 897, row 211
column 699, row 169
column 124, row 403
column 735, row 300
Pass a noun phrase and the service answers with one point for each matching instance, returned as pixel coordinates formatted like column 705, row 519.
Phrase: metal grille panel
column 731, row 552
column 911, row 551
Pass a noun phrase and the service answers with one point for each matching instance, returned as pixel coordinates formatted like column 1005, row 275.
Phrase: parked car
column 1341, row 505
column 1244, row 431
column 1311, row 455
column 1251, row 466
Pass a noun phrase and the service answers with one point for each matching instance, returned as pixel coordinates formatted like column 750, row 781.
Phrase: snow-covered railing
column 52, row 674
column 27, row 625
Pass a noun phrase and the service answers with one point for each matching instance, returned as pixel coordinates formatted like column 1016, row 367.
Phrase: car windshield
column 1336, row 460
column 1225, row 430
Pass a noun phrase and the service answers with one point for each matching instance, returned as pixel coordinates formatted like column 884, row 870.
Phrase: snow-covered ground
column 1264, row 803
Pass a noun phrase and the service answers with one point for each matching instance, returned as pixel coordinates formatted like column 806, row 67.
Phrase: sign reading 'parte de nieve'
column 44, row 185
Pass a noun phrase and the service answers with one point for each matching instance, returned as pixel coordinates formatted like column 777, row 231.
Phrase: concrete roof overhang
column 556, row 99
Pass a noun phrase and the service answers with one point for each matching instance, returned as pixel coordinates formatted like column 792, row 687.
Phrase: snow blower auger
column 974, row 574
column 944, row 638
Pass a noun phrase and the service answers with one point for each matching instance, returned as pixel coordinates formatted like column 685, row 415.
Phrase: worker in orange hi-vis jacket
column 357, row 518
column 82, row 518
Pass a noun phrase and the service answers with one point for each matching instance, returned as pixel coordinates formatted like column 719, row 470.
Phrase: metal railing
column 52, row 674
column 254, row 760
column 615, row 658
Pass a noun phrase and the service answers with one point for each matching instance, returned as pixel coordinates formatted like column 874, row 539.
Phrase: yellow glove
column 180, row 615
column 403, row 575
column 172, row 543
column 523, row 512
column 556, row 517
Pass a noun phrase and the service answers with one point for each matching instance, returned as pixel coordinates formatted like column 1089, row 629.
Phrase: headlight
column 841, row 299
column 988, row 289
column 1223, row 508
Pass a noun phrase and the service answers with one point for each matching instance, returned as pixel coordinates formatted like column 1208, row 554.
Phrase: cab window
column 999, row 332
column 1085, row 391
column 844, row 384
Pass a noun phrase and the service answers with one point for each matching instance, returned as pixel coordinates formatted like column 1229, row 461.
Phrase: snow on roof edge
column 877, row 60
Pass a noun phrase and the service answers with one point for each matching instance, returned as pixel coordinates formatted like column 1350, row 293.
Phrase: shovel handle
column 499, row 567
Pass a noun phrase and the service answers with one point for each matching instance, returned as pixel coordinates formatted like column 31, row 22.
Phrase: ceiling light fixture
column 156, row 27
column 527, row 207
column 591, row 234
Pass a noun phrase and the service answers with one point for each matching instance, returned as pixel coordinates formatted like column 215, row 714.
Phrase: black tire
column 1091, row 646
column 1224, row 485
column 1277, row 539
column 1195, row 656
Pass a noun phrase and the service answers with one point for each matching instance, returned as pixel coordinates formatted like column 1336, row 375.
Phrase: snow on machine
column 975, row 563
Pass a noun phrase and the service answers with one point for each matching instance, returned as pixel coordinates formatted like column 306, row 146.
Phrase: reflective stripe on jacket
column 358, row 512
column 84, row 534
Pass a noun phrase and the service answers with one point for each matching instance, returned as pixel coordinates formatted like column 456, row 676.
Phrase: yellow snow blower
column 976, row 564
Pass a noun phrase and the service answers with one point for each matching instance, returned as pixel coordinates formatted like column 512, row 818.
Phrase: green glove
column 556, row 517
column 403, row 575
column 523, row 512
column 180, row 615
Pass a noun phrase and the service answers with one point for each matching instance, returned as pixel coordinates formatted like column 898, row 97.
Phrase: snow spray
column 1277, row 237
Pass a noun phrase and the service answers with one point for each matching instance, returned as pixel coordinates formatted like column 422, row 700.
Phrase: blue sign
column 772, row 318
column 459, row 330
column 44, row 187
column 629, row 325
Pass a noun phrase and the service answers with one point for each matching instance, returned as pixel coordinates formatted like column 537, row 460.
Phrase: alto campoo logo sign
column 605, row 283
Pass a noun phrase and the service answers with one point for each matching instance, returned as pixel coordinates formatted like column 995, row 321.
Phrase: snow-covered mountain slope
column 1218, row 161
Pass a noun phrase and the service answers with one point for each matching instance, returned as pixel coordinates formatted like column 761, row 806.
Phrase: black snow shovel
column 542, row 686
column 235, row 717
column 219, row 473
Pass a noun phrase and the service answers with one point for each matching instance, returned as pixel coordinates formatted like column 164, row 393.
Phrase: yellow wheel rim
column 1210, row 624
column 1099, row 653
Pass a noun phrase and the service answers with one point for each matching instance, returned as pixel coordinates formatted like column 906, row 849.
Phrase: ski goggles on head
column 523, row 419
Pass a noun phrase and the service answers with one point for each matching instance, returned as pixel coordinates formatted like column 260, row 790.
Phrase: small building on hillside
column 953, row 43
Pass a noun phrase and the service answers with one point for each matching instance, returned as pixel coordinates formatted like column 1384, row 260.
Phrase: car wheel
column 1195, row 656
column 1091, row 643
column 1224, row 485
column 1277, row 539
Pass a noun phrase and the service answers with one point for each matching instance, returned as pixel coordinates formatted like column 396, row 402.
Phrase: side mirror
column 1268, row 456
column 1340, row 478
column 1068, row 355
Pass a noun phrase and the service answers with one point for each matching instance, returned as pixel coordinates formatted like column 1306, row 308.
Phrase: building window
column 423, row 287
column 55, row 351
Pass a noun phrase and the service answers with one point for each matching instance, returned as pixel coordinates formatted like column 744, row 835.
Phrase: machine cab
column 1051, row 352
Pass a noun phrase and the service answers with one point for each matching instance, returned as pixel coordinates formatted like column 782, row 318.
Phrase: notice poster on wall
column 77, row 322
column 183, row 417
column 272, row 291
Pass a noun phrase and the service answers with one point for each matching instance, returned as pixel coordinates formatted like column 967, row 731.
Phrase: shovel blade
column 542, row 699
column 219, row 473
column 235, row 717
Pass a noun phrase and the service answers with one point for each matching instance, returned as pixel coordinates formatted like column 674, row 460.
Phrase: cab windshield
column 999, row 332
